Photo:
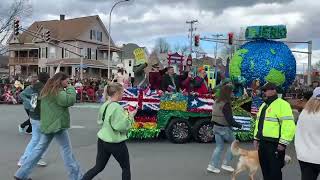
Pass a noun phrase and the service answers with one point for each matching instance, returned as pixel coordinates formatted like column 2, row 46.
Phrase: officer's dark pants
column 271, row 160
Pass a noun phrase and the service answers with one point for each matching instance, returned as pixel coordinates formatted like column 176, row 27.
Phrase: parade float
column 183, row 117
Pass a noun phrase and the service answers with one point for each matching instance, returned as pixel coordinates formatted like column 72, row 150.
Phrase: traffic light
column 16, row 27
column 230, row 38
column 196, row 40
column 47, row 36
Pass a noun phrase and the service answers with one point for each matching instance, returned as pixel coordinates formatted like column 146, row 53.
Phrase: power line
column 191, row 31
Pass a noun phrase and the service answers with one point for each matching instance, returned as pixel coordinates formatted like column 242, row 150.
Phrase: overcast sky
column 143, row 21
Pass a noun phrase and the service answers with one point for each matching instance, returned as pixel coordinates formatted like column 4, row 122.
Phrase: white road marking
column 77, row 127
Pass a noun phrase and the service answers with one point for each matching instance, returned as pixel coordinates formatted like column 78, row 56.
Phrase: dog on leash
column 248, row 160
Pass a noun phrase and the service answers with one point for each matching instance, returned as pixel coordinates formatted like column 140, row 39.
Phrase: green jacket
column 116, row 123
column 55, row 114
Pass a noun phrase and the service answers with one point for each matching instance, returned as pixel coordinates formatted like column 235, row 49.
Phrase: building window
column 43, row 53
column 88, row 53
column 129, row 74
column 94, row 36
column 99, row 36
column 93, row 54
column 130, row 63
column 90, row 34
column 66, row 53
column 52, row 53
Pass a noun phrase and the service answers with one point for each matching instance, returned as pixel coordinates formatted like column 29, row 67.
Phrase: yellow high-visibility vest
column 278, row 122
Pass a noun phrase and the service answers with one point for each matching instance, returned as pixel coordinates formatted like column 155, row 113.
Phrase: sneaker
column 19, row 164
column 227, row 168
column 211, row 168
column 41, row 163
column 21, row 130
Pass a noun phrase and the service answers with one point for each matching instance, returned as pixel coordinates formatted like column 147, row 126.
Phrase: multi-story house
column 127, row 57
column 88, row 35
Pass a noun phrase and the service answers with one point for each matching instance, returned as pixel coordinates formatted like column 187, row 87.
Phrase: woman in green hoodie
column 56, row 98
column 115, row 122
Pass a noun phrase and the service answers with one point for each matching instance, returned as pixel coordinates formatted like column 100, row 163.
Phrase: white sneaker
column 21, row 130
column 41, row 163
column 227, row 168
column 211, row 168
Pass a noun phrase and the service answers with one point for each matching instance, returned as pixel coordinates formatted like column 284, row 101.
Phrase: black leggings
column 105, row 150
column 27, row 123
column 309, row 171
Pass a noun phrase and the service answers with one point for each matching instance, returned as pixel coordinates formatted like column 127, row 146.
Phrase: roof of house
column 207, row 61
column 127, row 51
column 68, row 29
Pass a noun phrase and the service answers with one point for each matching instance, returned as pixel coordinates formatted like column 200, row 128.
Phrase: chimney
column 62, row 17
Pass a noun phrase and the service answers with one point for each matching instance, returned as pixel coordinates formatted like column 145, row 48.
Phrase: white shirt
column 78, row 84
column 307, row 139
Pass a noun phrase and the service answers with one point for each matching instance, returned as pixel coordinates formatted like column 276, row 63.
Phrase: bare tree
column 17, row 8
column 182, row 49
column 161, row 46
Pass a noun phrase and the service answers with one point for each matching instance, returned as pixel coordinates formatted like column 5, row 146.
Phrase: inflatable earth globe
column 266, row 60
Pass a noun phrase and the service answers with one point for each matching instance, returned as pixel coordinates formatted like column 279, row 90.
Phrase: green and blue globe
column 266, row 60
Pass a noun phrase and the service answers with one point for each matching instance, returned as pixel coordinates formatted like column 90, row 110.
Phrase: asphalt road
column 150, row 159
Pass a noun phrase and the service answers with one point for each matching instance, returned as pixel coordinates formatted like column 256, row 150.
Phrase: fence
column 10, row 94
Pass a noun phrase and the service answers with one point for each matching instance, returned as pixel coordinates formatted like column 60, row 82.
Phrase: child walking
column 115, row 122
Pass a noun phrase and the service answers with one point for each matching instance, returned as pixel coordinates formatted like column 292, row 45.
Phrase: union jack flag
column 200, row 104
column 143, row 99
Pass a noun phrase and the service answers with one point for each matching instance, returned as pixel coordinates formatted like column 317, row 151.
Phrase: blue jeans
column 62, row 137
column 35, row 138
column 222, row 134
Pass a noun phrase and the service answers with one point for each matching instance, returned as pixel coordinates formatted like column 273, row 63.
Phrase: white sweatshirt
column 307, row 139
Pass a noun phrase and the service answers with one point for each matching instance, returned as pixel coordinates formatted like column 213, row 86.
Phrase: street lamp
column 109, row 53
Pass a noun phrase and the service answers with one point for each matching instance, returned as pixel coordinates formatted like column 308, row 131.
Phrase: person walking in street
column 274, row 130
column 223, row 122
column 307, row 139
column 56, row 98
column 32, row 103
column 26, row 126
column 115, row 123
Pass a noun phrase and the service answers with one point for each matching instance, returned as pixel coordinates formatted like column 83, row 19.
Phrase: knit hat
column 316, row 93
column 200, row 69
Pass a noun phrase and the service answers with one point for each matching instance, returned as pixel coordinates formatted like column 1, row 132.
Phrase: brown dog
column 248, row 160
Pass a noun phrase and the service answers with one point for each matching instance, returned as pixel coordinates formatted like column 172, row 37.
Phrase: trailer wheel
column 203, row 131
column 179, row 131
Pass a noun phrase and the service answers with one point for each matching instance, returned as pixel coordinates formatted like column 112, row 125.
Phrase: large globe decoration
column 266, row 60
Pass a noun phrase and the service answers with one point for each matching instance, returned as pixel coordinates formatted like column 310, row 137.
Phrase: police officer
column 274, row 130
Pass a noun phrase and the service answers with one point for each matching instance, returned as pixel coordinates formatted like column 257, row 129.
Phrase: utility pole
column 215, row 57
column 309, row 61
column 191, row 32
